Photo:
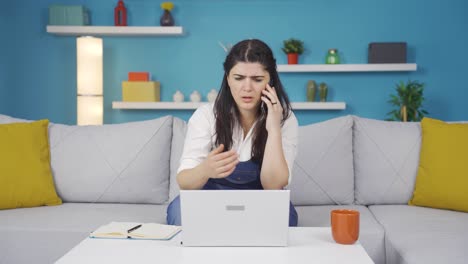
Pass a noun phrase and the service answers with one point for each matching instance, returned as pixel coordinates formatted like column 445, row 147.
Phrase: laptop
column 234, row 217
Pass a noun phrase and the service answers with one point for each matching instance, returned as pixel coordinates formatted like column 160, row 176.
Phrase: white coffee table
column 306, row 245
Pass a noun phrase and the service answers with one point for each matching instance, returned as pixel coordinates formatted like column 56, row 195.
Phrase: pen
column 133, row 228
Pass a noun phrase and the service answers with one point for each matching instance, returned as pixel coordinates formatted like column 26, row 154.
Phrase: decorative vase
column 211, row 96
column 120, row 14
column 178, row 97
column 311, row 90
column 293, row 58
column 166, row 19
column 323, row 92
column 332, row 57
column 195, row 97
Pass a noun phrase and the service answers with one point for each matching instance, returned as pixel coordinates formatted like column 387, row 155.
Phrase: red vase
column 120, row 14
column 293, row 58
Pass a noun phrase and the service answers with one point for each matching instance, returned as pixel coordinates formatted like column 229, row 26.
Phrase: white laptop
column 234, row 217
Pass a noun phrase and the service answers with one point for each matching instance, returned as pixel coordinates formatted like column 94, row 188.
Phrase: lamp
column 89, row 81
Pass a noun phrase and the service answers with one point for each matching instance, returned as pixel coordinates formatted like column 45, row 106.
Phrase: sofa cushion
column 25, row 173
column 443, row 171
column 179, row 129
column 62, row 227
column 423, row 235
column 124, row 163
column 324, row 158
column 386, row 157
column 371, row 234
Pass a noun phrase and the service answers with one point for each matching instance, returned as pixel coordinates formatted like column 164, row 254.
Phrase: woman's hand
column 219, row 164
column 275, row 110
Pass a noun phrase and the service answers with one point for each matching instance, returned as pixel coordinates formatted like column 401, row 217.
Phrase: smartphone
column 270, row 83
column 263, row 105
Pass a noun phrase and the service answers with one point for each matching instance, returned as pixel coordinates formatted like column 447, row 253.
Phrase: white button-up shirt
column 200, row 139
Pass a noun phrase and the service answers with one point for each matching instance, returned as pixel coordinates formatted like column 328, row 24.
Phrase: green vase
column 332, row 57
column 323, row 92
column 311, row 90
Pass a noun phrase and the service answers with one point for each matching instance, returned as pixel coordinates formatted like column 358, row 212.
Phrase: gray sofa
column 126, row 172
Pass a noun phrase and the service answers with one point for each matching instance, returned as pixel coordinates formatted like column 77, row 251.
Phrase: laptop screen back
column 235, row 217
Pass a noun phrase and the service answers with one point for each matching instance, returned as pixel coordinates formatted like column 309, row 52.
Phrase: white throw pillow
column 323, row 170
column 386, row 158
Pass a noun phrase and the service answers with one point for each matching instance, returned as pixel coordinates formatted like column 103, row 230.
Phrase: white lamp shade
column 89, row 53
column 90, row 110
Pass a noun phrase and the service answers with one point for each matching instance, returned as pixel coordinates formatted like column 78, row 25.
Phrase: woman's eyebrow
column 254, row 76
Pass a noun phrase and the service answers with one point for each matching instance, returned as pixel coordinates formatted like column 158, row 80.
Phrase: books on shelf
column 132, row 230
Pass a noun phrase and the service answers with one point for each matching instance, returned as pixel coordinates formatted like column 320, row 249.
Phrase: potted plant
column 293, row 48
column 408, row 101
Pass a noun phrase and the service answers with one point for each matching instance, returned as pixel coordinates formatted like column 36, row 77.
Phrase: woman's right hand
column 219, row 164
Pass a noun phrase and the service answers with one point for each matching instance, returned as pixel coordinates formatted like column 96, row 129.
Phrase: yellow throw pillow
column 25, row 173
column 442, row 178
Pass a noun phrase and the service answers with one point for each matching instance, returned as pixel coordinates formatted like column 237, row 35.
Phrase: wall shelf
column 192, row 105
column 318, row 105
column 380, row 67
column 114, row 31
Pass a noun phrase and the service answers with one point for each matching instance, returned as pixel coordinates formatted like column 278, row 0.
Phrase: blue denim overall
column 246, row 176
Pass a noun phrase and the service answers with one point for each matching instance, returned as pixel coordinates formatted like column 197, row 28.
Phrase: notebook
column 132, row 230
column 234, row 217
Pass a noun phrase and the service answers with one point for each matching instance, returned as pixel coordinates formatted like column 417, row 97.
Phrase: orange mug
column 345, row 226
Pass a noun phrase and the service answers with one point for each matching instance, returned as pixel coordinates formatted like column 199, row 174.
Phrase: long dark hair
column 226, row 112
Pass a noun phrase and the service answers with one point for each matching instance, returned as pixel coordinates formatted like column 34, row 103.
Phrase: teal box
column 70, row 15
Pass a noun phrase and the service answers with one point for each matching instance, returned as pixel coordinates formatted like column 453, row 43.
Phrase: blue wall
column 4, row 60
column 41, row 78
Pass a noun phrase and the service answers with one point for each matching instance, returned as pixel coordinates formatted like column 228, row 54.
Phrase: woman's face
column 247, row 80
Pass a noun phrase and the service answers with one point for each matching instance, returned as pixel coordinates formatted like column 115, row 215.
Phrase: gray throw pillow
column 386, row 158
column 179, row 129
column 323, row 170
column 115, row 163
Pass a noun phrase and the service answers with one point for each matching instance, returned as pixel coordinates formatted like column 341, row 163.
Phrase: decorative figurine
column 120, row 14
column 166, row 18
column 311, row 90
column 195, row 97
column 178, row 97
column 211, row 96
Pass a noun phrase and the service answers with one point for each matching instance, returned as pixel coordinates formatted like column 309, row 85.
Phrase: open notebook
column 136, row 231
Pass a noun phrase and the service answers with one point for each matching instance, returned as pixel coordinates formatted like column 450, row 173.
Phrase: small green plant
column 293, row 45
column 408, row 101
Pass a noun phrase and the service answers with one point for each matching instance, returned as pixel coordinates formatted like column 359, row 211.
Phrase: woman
column 248, row 138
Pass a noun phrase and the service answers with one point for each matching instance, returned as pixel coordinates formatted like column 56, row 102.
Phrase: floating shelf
column 380, row 67
column 318, row 105
column 114, row 31
column 192, row 106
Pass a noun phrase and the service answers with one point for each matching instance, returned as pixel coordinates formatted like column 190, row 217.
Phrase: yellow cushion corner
column 25, row 173
column 442, row 177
